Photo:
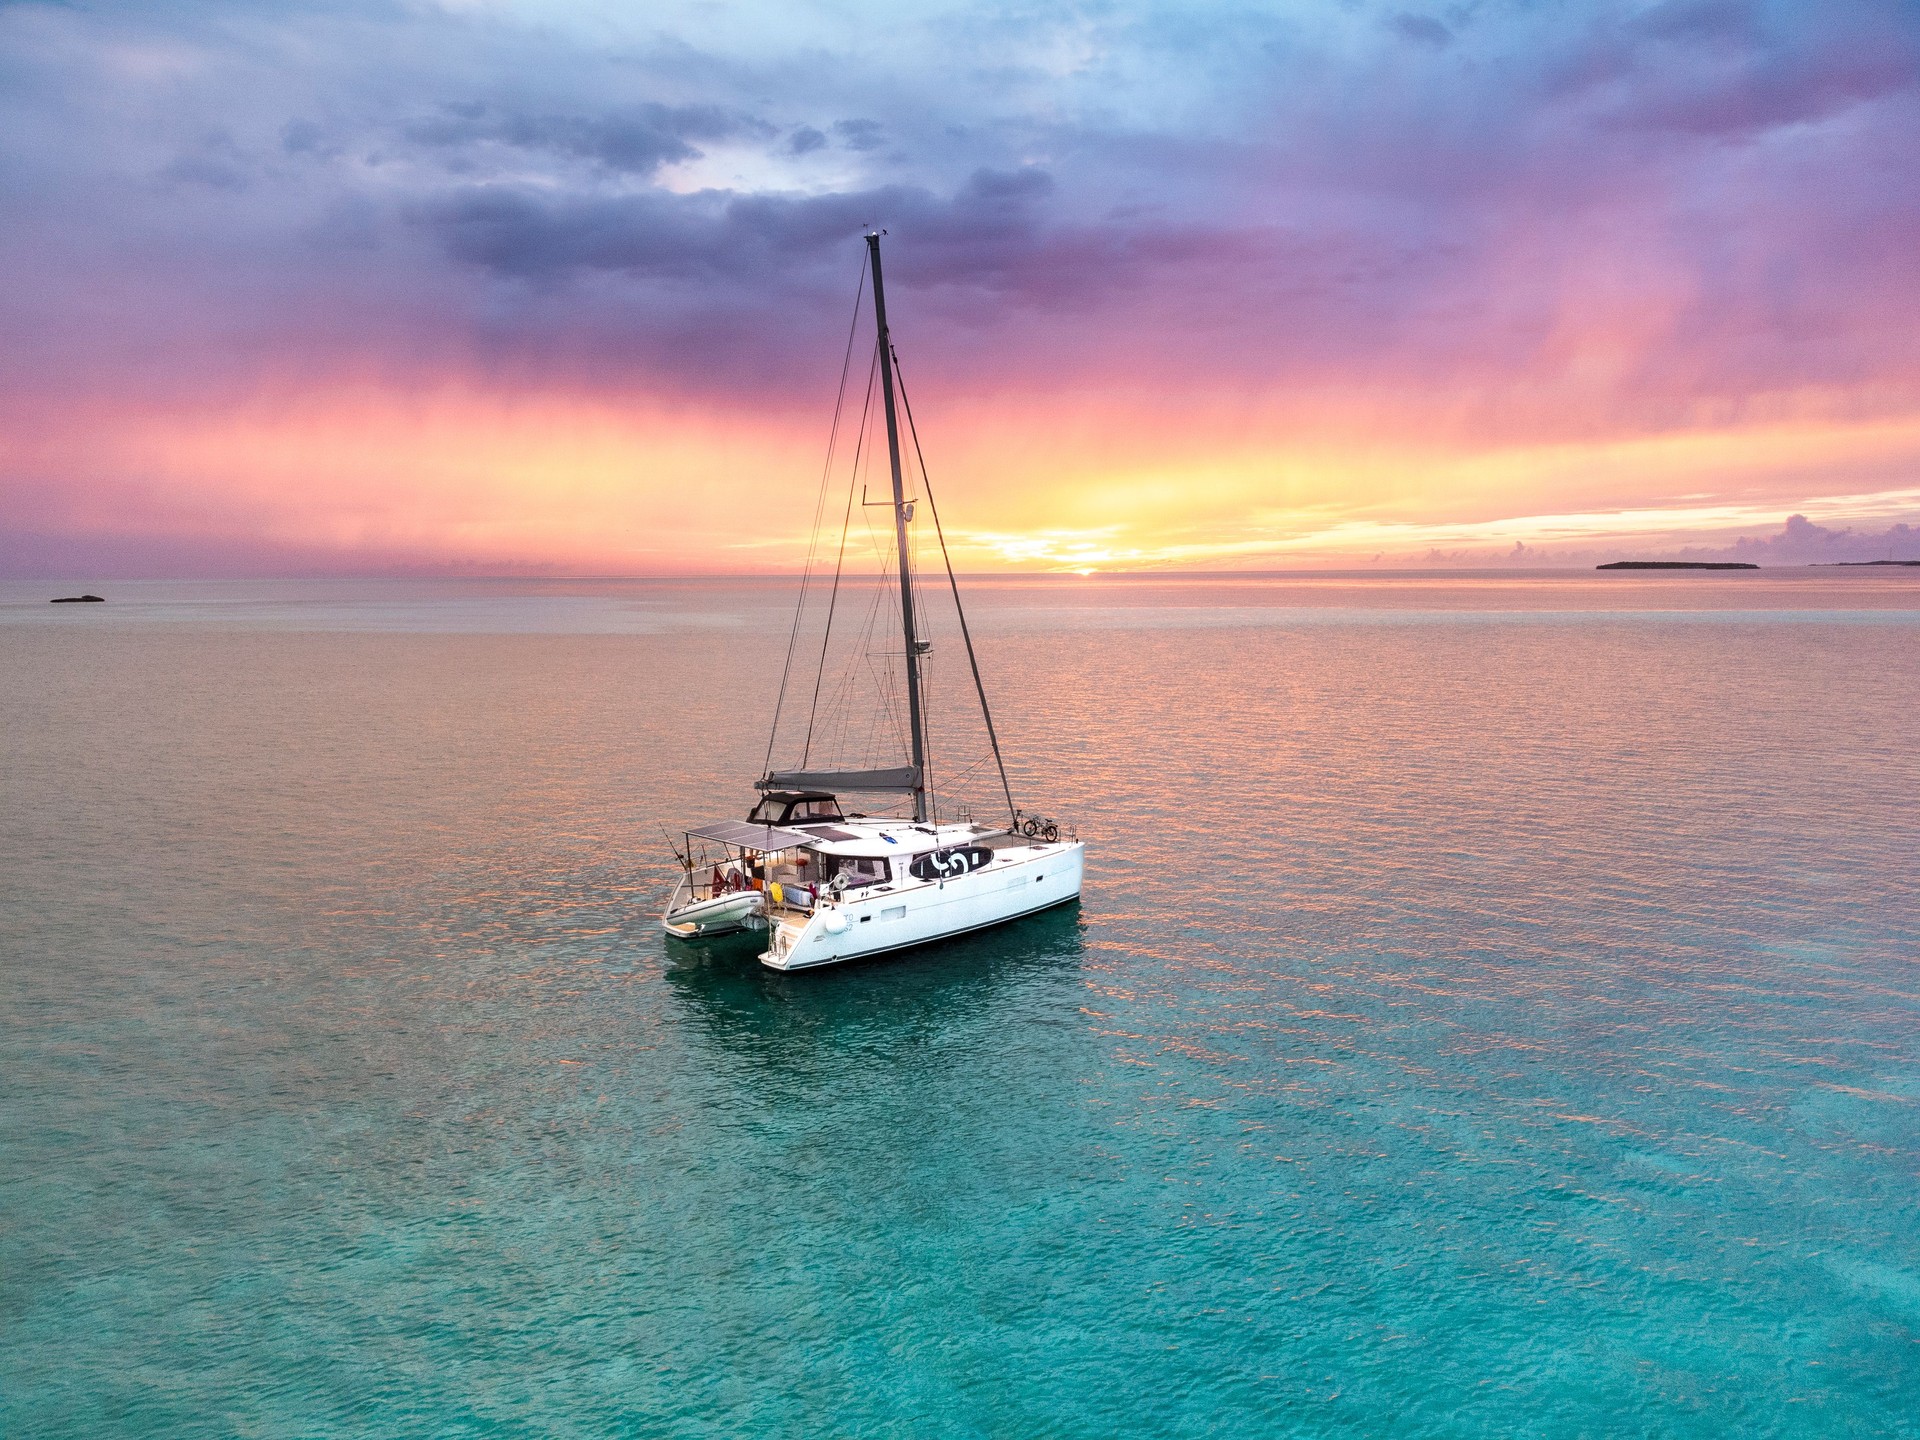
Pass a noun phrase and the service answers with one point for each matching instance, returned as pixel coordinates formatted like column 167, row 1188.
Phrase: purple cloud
column 635, row 140
column 1801, row 542
column 1268, row 201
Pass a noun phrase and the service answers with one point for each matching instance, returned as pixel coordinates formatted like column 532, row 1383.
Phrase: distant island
column 1867, row 562
column 1681, row 565
column 78, row 600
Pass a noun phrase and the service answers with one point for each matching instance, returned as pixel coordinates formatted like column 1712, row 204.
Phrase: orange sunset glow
column 295, row 309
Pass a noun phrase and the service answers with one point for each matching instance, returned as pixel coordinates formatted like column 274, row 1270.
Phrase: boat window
column 787, row 809
column 945, row 864
column 857, row 870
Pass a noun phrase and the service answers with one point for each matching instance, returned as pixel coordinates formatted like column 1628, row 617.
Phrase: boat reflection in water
column 749, row 1010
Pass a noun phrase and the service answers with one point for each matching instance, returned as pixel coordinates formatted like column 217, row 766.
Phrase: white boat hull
column 881, row 918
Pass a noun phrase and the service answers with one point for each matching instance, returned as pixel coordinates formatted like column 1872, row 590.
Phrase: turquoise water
column 1493, row 1011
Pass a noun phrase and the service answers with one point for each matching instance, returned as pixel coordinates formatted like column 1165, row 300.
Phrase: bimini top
column 748, row 836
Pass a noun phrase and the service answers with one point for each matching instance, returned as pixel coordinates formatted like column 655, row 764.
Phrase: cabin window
column 789, row 809
column 946, row 864
column 857, row 869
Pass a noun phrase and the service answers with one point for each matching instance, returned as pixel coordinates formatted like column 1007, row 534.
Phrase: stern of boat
column 690, row 915
column 790, row 933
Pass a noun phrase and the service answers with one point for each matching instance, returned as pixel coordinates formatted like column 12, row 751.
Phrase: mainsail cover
column 899, row 778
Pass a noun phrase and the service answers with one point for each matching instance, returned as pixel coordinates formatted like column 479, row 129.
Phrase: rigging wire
column 830, row 718
column 839, row 698
column 926, row 483
column 819, row 507
column 884, row 596
column 839, row 562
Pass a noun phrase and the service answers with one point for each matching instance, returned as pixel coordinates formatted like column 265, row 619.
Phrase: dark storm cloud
column 635, row 141
column 527, row 234
column 986, row 233
column 992, row 235
column 1267, row 190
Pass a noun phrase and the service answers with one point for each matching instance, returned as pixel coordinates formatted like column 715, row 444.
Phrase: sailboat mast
column 900, row 538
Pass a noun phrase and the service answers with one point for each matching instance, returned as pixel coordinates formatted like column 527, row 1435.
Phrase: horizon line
column 1056, row 575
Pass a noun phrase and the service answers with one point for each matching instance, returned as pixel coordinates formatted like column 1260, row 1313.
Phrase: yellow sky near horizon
column 589, row 485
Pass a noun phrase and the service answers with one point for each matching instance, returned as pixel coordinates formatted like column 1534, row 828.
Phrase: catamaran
column 828, row 884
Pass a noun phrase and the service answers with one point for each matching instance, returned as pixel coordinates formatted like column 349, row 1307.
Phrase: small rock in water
column 77, row 599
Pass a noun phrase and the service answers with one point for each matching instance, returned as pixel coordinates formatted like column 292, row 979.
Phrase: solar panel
column 749, row 836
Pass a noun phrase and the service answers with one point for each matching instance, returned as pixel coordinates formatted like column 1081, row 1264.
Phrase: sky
column 493, row 286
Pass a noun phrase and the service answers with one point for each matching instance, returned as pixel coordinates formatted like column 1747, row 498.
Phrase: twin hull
column 891, row 917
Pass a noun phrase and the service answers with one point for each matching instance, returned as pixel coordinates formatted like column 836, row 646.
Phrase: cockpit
column 795, row 807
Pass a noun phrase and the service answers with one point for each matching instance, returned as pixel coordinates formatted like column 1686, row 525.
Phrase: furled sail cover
column 901, row 777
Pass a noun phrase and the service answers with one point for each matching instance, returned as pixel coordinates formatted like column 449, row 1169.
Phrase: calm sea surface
column 1494, row 1010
